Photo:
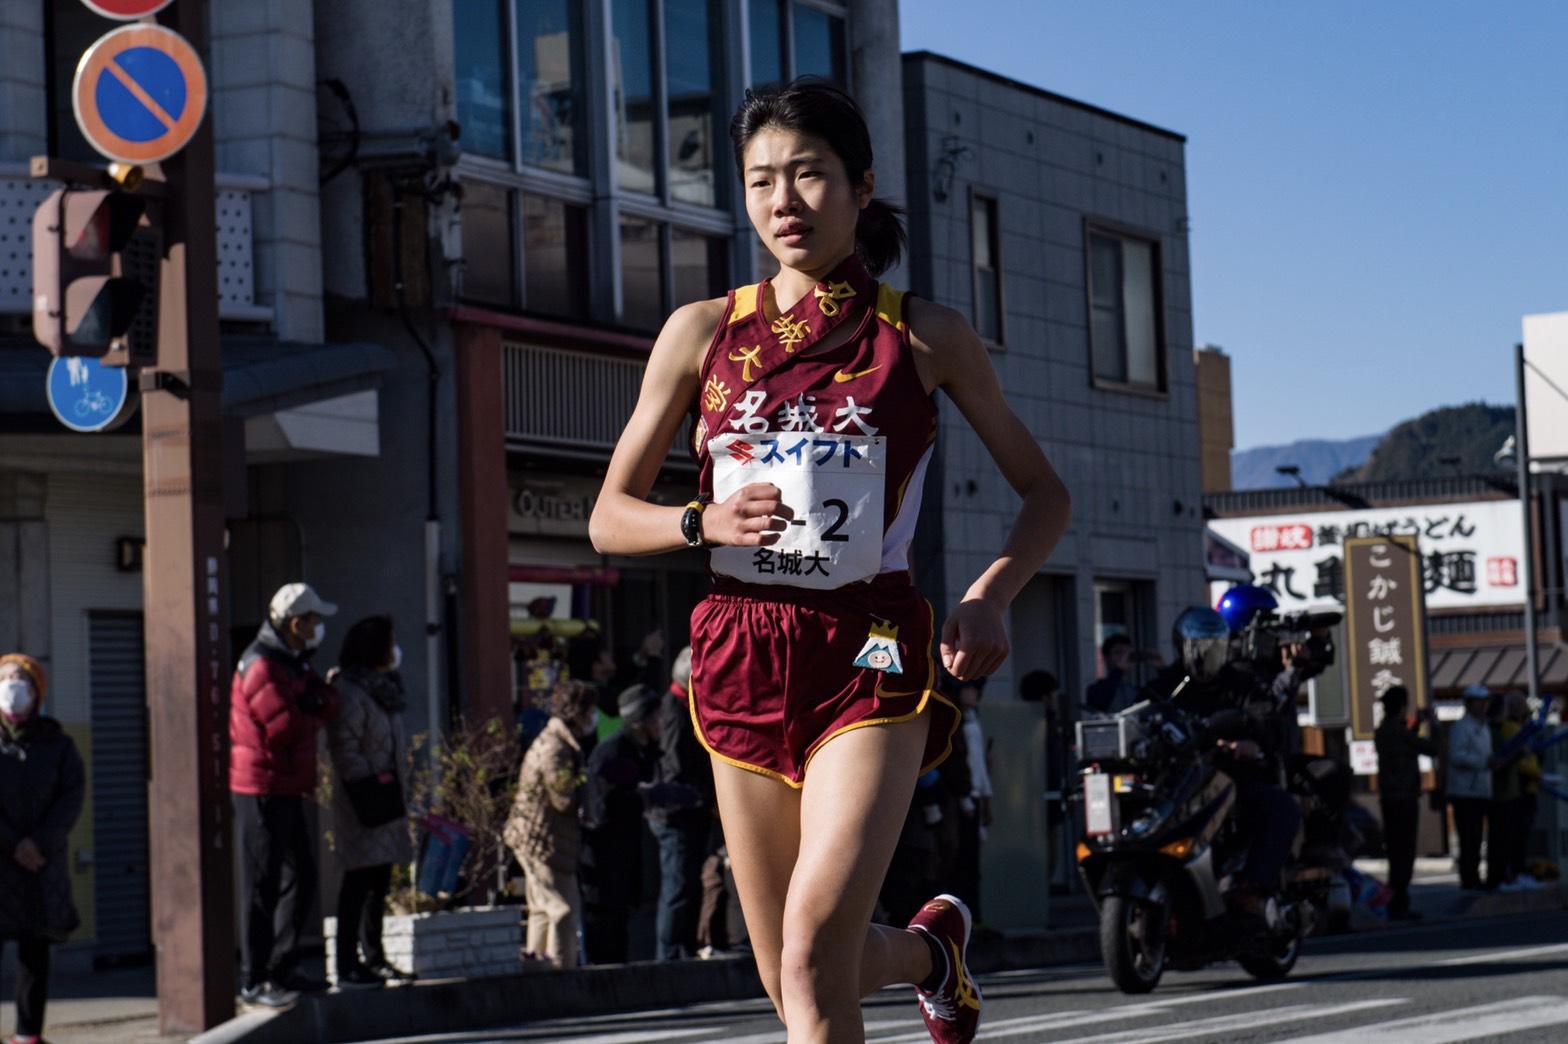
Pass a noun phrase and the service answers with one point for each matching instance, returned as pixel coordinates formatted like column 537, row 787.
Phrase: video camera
column 1259, row 643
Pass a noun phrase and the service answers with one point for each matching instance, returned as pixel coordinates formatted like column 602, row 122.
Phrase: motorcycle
column 1162, row 845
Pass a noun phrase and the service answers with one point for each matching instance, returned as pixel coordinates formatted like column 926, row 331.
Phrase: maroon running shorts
column 773, row 673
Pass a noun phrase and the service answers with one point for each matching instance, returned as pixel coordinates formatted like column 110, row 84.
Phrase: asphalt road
column 1504, row 979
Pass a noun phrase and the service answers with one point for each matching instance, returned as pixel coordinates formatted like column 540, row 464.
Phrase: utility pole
column 186, row 599
column 1522, row 460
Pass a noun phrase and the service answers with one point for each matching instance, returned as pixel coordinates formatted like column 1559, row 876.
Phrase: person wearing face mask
column 369, row 814
column 277, row 705
column 41, row 789
column 543, row 831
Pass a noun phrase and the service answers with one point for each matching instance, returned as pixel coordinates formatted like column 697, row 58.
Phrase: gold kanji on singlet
column 790, row 333
column 747, row 357
column 715, row 395
column 828, row 300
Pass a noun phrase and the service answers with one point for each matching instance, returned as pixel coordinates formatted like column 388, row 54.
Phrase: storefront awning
column 1499, row 668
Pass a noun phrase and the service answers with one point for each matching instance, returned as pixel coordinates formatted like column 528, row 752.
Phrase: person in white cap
column 277, row 705
column 1470, row 783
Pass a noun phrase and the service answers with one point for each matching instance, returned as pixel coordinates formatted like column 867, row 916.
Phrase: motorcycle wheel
column 1132, row 941
column 1275, row 964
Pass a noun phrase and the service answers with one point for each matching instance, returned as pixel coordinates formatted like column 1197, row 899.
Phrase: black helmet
column 1202, row 640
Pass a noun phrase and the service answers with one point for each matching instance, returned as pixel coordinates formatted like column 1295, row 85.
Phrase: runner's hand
column 974, row 641
column 752, row 516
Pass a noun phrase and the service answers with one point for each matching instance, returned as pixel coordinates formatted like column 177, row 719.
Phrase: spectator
column 277, row 704
column 1399, row 750
column 1118, row 689
column 42, row 785
column 1514, row 784
column 685, row 831
column 370, row 820
column 542, row 830
column 611, row 863
column 975, row 806
column 1470, row 783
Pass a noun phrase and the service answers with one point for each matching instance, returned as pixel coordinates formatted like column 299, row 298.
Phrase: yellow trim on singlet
column 745, row 303
column 890, row 306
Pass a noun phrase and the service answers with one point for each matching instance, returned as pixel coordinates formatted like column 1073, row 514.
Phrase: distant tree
column 1418, row 448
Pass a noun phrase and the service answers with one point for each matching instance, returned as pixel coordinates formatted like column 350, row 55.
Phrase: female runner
column 814, row 421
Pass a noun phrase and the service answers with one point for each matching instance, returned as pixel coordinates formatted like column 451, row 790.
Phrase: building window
column 697, row 264
column 985, row 259
column 694, row 85
column 791, row 38
column 481, row 70
column 632, row 66
column 490, row 271
column 1124, row 310
column 555, row 257
column 819, row 44
column 767, row 41
column 550, row 84
column 642, row 274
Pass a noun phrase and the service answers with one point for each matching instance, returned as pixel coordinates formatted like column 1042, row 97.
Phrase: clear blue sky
column 1378, row 191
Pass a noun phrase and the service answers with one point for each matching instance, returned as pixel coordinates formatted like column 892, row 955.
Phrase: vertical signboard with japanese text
column 1385, row 615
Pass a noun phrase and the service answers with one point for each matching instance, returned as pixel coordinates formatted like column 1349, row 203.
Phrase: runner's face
column 800, row 199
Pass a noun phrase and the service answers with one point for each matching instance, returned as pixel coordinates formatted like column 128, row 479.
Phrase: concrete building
column 1060, row 229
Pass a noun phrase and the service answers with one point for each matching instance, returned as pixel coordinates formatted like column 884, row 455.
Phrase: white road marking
column 1204, row 1029
column 1506, row 955
column 1447, row 1027
column 651, row 1036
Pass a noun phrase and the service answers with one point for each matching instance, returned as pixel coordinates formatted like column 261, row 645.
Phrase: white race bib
column 833, row 485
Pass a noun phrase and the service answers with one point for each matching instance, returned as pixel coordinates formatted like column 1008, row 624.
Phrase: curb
column 458, row 1005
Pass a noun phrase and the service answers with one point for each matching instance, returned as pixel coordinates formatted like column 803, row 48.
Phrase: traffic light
column 84, row 300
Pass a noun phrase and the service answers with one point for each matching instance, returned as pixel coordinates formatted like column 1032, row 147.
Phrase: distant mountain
column 1318, row 459
column 1451, row 440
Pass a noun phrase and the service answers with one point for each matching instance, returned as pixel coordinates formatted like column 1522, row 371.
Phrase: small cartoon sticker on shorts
column 880, row 652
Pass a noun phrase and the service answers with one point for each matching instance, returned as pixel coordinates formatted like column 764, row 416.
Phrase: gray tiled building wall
column 1127, row 459
column 263, row 73
column 24, row 120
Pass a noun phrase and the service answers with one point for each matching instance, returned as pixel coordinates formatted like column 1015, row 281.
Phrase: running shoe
column 267, row 995
column 952, row 1009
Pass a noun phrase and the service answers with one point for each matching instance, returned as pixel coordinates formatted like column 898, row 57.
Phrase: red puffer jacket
column 276, row 705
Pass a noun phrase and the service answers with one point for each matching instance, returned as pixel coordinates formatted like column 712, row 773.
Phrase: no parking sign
column 140, row 93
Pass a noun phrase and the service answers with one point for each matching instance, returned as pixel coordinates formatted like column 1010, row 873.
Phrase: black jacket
column 610, row 866
column 42, row 785
column 1399, row 752
column 682, row 759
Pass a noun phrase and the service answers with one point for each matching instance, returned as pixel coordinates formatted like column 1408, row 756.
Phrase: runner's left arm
column 952, row 357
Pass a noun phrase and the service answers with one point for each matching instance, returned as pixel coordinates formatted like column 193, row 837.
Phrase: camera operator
column 1242, row 710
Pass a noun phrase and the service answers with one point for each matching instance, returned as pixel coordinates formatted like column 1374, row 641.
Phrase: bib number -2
column 833, row 486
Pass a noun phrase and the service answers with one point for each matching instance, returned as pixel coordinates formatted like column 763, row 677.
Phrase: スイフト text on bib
column 832, row 487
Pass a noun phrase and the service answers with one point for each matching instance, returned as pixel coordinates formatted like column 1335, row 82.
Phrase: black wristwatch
column 691, row 522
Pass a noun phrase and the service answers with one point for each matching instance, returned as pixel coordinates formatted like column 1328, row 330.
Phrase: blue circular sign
column 140, row 93
column 86, row 395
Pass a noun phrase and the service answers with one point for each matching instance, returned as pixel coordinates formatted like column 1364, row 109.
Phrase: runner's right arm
column 624, row 522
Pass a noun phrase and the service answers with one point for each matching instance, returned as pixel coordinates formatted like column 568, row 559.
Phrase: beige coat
column 365, row 740
column 543, row 824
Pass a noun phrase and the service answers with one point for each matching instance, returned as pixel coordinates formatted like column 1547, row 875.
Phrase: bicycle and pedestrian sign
column 140, row 93
column 87, row 396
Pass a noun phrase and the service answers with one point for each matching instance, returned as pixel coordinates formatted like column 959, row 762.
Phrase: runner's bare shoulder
column 942, row 340
column 683, row 343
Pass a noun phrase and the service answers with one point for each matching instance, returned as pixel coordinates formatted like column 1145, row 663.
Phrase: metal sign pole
column 1522, row 459
column 186, row 601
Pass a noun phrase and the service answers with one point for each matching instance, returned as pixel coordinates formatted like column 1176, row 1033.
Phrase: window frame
column 980, row 194
column 1120, row 231
column 597, row 189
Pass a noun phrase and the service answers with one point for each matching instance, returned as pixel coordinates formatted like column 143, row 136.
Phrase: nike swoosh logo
column 840, row 377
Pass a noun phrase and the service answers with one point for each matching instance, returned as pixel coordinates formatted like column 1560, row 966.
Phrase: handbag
column 375, row 802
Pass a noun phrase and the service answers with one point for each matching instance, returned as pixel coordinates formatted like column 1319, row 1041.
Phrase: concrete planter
column 449, row 944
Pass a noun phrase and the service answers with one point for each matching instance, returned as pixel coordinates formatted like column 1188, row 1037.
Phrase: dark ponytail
column 816, row 107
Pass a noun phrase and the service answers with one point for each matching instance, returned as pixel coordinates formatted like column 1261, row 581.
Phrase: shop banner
column 1384, row 621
